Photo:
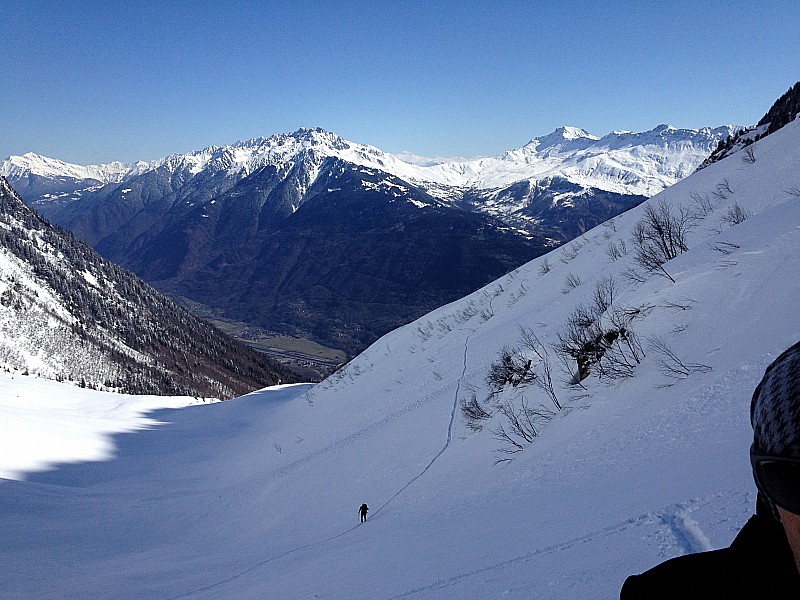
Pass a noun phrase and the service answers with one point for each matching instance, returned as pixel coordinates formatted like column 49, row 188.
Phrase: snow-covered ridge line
column 626, row 162
column 37, row 164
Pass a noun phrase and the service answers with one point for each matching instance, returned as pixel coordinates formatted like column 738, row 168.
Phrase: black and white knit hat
column 775, row 408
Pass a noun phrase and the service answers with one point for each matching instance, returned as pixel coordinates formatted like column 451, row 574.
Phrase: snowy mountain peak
column 620, row 162
column 561, row 135
column 31, row 163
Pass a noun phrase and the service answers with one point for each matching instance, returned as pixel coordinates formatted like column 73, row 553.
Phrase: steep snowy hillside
column 67, row 314
column 645, row 459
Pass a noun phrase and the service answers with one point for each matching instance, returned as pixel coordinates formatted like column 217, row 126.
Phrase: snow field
column 258, row 497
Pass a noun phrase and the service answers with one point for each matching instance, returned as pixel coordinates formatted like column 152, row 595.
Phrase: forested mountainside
column 68, row 314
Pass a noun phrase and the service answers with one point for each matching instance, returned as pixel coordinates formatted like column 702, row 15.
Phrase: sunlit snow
column 258, row 497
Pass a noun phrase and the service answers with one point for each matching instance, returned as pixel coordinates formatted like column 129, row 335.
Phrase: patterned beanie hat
column 775, row 408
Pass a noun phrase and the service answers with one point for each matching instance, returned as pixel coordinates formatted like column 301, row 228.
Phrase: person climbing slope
column 363, row 510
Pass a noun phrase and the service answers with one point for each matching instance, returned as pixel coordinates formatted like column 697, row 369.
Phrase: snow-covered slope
column 257, row 497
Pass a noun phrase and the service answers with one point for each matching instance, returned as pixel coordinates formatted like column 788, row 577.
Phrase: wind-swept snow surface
column 258, row 497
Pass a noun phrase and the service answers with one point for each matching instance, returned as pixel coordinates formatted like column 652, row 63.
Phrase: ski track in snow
column 344, row 442
column 684, row 528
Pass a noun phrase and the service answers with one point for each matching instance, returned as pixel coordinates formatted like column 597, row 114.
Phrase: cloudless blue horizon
column 91, row 82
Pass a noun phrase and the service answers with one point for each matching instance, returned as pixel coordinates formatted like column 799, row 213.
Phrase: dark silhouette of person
column 363, row 510
column 764, row 559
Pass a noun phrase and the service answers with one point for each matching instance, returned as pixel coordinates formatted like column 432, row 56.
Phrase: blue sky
column 91, row 82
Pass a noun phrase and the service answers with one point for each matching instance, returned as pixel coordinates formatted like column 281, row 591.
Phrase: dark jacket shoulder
column 758, row 564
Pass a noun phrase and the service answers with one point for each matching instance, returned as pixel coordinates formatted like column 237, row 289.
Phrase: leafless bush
column 670, row 364
column 543, row 371
column 793, row 191
column 519, row 428
column 571, row 283
column 599, row 337
column 703, row 206
column 616, row 250
column 722, row 190
column 512, row 368
column 749, row 155
column 466, row 313
column 660, row 236
column 634, row 276
column 604, row 293
column 725, row 248
column 474, row 413
column 681, row 304
column 426, row 331
column 570, row 252
column 735, row 214
column 545, row 267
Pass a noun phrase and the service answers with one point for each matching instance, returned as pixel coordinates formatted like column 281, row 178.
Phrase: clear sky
column 96, row 81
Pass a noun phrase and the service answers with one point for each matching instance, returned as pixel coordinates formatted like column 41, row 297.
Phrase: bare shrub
column 616, row 250
column 670, row 364
column 722, row 190
column 570, row 252
column 599, row 337
column 474, row 412
column 703, row 206
column 725, row 248
column 749, row 155
column 571, row 283
column 634, row 276
column 604, row 293
column 519, row 427
column 466, row 313
column 681, row 304
column 543, row 371
column 512, row 368
column 545, row 267
column 660, row 236
column 735, row 215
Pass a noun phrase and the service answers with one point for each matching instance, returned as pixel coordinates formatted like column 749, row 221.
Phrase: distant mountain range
column 68, row 314
column 315, row 236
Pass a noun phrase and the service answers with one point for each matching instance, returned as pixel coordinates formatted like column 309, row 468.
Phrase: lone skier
column 363, row 510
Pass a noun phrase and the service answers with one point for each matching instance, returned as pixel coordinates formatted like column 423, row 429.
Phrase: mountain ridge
column 182, row 220
column 259, row 152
